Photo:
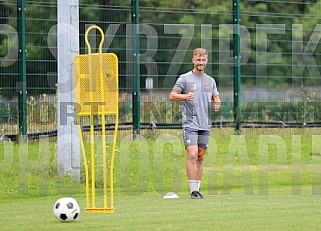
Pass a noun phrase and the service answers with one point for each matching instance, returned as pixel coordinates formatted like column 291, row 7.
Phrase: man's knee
column 201, row 157
column 201, row 154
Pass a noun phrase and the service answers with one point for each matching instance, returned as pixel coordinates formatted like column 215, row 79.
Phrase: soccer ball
column 66, row 209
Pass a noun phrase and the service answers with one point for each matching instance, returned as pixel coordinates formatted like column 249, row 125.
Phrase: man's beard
column 200, row 68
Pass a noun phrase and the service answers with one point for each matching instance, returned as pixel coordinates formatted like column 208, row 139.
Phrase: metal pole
column 22, row 84
column 136, row 46
column 68, row 143
column 237, row 68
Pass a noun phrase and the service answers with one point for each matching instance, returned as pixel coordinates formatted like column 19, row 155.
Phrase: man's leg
column 190, row 140
column 199, row 163
column 192, row 167
column 203, row 140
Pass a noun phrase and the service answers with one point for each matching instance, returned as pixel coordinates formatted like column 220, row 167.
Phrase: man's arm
column 178, row 96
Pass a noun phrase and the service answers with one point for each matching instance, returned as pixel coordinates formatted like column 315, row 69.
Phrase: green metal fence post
column 237, row 68
column 136, row 92
column 22, row 84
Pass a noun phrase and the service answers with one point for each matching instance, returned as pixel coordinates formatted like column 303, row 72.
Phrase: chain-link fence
column 280, row 74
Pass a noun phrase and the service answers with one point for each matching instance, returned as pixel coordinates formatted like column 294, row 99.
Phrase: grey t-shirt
column 197, row 113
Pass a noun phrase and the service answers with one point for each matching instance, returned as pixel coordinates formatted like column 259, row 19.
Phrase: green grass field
column 251, row 182
column 150, row 211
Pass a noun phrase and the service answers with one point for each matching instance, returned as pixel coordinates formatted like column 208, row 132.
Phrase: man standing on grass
column 197, row 91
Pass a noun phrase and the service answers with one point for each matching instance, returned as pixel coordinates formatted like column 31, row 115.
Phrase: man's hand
column 217, row 103
column 190, row 96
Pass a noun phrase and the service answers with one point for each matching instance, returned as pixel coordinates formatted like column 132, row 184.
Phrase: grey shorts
column 196, row 137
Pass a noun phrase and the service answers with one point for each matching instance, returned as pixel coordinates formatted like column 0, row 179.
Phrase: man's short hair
column 200, row 52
